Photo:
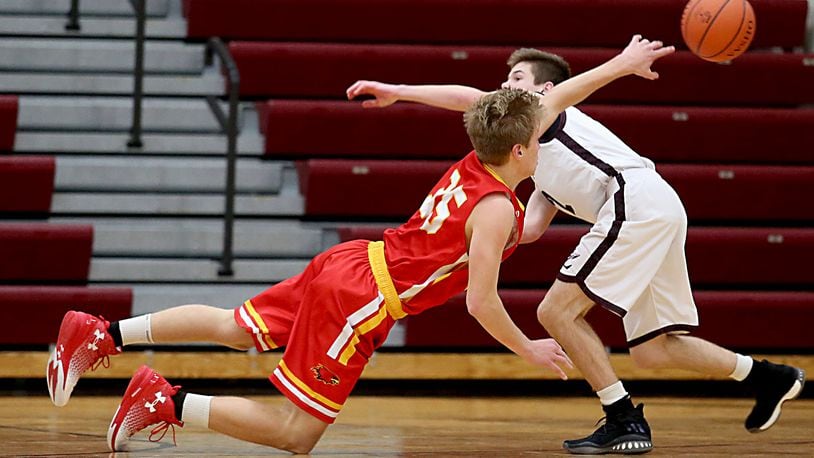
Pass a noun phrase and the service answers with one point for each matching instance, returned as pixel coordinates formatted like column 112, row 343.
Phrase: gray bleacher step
column 248, row 143
column 71, row 83
column 68, row 203
column 98, row 55
column 198, row 237
column 98, row 174
column 54, row 26
column 114, row 114
column 151, row 298
column 153, row 8
column 192, row 270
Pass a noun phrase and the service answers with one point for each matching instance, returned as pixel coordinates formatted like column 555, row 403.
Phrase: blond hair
column 544, row 65
column 501, row 119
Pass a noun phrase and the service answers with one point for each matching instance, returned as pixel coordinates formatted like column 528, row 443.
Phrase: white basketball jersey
column 575, row 168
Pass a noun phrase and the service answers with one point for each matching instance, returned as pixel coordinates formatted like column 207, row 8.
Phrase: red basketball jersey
column 427, row 256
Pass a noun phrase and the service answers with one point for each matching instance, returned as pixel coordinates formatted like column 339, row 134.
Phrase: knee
column 233, row 336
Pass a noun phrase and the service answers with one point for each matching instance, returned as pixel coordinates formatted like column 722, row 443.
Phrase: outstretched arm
column 450, row 97
column 635, row 59
column 490, row 226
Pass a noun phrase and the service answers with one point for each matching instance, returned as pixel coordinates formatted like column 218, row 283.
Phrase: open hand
column 548, row 353
column 384, row 94
column 640, row 54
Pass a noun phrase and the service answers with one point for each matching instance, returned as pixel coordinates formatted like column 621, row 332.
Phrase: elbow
column 475, row 305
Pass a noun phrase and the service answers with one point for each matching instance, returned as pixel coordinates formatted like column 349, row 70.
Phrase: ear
column 546, row 87
column 517, row 150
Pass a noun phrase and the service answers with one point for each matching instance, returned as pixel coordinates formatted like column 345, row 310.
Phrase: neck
column 509, row 177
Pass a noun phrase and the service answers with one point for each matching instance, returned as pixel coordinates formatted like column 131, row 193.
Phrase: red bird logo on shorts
column 324, row 375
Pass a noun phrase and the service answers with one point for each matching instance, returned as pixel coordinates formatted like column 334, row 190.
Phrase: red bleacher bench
column 662, row 133
column 35, row 312
column 9, row 106
column 731, row 257
column 26, row 183
column 45, row 252
column 521, row 22
column 310, row 70
column 776, row 320
column 390, row 189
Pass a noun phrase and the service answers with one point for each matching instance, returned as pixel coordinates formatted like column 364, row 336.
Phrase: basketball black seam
column 737, row 34
column 704, row 36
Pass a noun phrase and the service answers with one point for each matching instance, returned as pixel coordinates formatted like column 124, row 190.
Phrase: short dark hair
column 545, row 65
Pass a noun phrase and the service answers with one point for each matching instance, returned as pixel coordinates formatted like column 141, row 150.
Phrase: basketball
column 718, row 30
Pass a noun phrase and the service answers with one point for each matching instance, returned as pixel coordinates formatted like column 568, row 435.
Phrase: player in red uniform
column 333, row 315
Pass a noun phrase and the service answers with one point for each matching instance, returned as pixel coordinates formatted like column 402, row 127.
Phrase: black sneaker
column 774, row 384
column 626, row 432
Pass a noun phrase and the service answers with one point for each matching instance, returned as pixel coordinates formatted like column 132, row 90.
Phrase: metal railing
column 228, row 126
column 228, row 123
column 139, row 9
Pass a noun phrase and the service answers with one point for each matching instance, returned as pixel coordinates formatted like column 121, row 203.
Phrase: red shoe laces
column 162, row 429
column 103, row 361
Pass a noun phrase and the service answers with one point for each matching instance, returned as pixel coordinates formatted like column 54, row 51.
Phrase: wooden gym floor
column 423, row 426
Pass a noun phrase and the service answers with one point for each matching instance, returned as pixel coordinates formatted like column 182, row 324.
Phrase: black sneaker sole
column 793, row 392
column 631, row 444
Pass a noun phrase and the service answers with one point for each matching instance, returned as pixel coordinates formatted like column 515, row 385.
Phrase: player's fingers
column 636, row 38
column 352, row 89
column 561, row 373
column 661, row 52
column 567, row 360
column 372, row 103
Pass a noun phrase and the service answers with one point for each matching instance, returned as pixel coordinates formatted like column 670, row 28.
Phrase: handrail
column 138, row 71
column 229, row 127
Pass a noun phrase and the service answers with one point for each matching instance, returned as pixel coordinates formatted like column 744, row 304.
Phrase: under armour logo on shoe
column 99, row 337
column 58, row 359
column 159, row 397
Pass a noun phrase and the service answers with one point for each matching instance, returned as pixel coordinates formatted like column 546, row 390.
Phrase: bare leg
column 199, row 323
column 684, row 352
column 562, row 313
column 285, row 426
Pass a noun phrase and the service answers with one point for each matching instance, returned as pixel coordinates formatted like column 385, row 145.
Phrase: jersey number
column 435, row 214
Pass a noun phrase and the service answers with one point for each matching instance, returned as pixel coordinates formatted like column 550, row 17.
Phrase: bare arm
column 450, row 97
column 635, row 59
column 490, row 227
column 539, row 213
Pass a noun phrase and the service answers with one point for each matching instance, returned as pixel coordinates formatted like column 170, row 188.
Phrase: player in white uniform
column 631, row 261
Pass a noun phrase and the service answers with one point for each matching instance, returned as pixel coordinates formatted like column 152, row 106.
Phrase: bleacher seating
column 766, row 320
column 26, row 184
column 35, row 312
column 392, row 188
column 716, row 257
column 9, row 105
column 309, row 70
column 45, row 252
column 582, row 23
column 405, row 130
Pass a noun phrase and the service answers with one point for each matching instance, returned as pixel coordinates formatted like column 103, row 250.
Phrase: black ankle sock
column 178, row 399
column 623, row 405
column 116, row 333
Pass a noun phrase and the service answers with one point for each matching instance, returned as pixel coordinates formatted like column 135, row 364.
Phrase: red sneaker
column 83, row 343
column 147, row 401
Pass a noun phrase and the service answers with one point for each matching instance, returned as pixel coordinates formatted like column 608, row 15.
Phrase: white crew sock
column 136, row 330
column 743, row 365
column 196, row 410
column 612, row 393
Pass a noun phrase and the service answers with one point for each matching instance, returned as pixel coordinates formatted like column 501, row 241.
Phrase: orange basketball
column 718, row 30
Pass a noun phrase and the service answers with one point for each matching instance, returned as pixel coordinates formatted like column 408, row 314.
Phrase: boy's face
column 521, row 77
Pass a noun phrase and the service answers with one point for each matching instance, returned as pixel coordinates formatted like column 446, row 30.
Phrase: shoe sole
column 625, row 445
column 60, row 389
column 793, row 392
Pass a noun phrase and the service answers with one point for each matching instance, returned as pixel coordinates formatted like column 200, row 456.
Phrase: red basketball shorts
column 330, row 318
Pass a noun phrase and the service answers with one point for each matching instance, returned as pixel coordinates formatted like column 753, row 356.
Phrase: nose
column 504, row 85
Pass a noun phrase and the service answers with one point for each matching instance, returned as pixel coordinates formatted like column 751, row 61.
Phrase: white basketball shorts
column 632, row 260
